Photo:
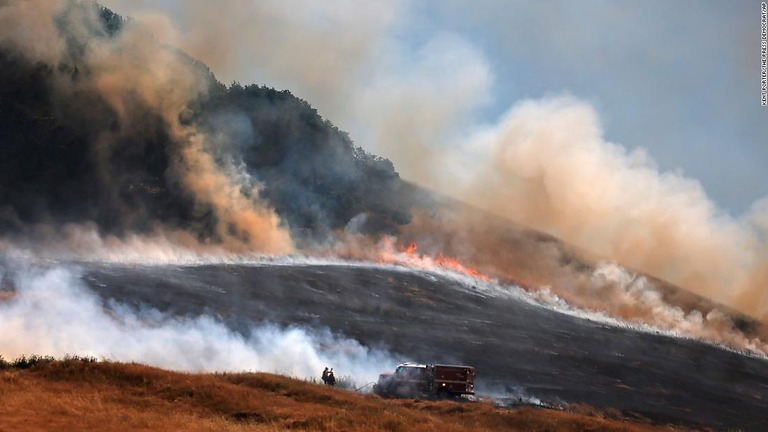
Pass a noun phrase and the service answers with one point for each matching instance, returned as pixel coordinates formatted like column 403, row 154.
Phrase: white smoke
column 511, row 396
column 636, row 303
column 53, row 313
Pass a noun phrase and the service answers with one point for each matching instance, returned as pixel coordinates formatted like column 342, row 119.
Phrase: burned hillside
column 92, row 134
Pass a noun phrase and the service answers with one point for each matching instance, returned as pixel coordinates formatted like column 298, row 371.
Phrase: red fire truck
column 427, row 381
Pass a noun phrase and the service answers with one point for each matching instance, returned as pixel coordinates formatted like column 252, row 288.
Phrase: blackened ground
column 429, row 318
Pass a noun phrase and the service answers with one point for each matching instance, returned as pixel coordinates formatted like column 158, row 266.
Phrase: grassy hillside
column 77, row 394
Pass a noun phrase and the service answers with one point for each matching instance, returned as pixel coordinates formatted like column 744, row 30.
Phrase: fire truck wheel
column 443, row 394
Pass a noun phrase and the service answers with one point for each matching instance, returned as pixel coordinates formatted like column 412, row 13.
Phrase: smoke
column 607, row 293
column 548, row 166
column 322, row 52
column 319, row 51
column 53, row 313
column 85, row 242
column 624, row 298
column 167, row 85
column 136, row 83
column 424, row 101
column 28, row 25
column 510, row 396
column 544, row 164
column 402, row 101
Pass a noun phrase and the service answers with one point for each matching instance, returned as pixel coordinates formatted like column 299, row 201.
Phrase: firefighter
column 331, row 378
column 325, row 376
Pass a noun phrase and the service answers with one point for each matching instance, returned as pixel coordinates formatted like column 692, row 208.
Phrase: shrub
column 27, row 362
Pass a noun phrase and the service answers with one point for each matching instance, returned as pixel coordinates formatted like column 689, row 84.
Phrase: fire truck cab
column 427, row 380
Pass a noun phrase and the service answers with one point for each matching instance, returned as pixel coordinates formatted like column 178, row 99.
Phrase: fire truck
column 429, row 381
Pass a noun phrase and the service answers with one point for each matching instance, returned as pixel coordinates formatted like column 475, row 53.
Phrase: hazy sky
column 680, row 79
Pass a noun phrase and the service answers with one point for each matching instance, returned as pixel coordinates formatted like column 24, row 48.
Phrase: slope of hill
column 123, row 132
column 517, row 343
column 118, row 134
column 85, row 395
column 539, row 262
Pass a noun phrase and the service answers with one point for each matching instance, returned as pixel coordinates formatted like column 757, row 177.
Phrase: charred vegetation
column 68, row 156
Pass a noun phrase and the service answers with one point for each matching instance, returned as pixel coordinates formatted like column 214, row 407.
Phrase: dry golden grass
column 75, row 395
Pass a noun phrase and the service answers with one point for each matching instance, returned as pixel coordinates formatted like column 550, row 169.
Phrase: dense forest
column 70, row 154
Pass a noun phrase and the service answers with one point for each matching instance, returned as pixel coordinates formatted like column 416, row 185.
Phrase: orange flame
column 409, row 256
column 455, row 265
column 411, row 249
